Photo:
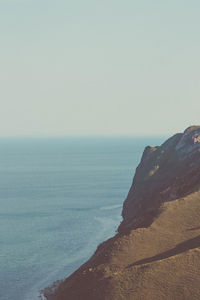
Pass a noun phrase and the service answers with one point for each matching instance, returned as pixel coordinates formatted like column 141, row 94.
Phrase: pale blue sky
column 104, row 67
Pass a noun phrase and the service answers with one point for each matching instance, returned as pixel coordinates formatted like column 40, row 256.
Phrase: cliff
column 156, row 252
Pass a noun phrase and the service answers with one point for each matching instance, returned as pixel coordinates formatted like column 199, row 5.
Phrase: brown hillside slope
column 156, row 254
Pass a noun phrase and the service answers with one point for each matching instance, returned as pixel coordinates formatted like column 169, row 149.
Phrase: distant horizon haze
column 95, row 136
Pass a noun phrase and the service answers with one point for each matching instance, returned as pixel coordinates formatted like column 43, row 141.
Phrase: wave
column 109, row 207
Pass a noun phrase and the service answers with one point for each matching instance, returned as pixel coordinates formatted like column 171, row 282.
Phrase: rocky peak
column 166, row 172
column 190, row 140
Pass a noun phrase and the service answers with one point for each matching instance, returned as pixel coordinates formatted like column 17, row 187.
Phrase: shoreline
column 46, row 293
column 107, row 224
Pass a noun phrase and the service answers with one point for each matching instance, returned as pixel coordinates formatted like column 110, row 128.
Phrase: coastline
column 46, row 294
column 109, row 227
column 156, row 250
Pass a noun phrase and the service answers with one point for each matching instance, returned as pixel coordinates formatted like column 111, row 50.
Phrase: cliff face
column 156, row 253
column 165, row 173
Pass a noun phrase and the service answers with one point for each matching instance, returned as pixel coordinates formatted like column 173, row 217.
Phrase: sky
column 90, row 68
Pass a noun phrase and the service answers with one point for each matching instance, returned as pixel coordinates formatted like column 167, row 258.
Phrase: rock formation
column 156, row 252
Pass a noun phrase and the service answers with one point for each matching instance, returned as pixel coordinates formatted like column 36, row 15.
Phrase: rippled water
column 59, row 198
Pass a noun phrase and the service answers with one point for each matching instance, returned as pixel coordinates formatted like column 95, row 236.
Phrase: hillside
column 156, row 252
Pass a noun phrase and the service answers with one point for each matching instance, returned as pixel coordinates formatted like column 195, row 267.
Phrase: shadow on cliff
column 194, row 228
column 180, row 248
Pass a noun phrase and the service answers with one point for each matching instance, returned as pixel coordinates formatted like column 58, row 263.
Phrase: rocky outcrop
column 164, row 174
column 156, row 252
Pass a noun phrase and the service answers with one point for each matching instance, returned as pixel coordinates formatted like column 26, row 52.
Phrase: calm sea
column 59, row 198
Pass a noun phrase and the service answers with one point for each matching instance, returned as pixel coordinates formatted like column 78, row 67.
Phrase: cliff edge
column 156, row 252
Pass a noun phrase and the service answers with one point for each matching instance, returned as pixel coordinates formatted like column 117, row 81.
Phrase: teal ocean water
column 59, row 198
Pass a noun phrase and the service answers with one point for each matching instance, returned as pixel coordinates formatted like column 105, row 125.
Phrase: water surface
column 59, row 198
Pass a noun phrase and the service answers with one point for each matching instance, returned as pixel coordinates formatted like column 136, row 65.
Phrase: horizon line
column 85, row 136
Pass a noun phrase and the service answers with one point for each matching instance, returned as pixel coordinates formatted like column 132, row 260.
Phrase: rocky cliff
column 156, row 252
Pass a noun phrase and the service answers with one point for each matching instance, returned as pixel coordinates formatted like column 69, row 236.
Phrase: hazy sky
column 99, row 67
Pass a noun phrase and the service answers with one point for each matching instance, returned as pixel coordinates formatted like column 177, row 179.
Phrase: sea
column 59, row 198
